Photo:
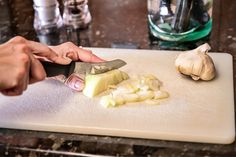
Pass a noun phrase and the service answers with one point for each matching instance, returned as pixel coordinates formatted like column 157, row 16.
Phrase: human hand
column 72, row 52
column 19, row 67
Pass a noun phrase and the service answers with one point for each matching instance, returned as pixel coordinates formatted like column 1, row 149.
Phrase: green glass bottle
column 177, row 24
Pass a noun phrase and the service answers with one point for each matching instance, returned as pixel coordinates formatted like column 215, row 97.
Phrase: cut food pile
column 123, row 89
column 140, row 88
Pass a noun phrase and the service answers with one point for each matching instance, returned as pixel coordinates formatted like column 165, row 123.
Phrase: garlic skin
column 196, row 63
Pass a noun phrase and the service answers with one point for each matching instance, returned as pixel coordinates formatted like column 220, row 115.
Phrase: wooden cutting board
column 195, row 111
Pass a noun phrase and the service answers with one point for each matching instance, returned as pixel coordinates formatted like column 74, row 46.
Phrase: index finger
column 88, row 56
column 42, row 50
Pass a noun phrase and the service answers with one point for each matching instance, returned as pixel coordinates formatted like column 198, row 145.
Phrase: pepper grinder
column 47, row 16
column 76, row 14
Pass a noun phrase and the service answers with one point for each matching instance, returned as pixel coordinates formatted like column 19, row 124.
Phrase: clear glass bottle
column 47, row 16
column 179, row 20
column 76, row 13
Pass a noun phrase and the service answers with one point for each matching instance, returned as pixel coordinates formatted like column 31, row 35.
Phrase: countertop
column 121, row 24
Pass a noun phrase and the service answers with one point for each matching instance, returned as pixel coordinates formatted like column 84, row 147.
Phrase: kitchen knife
column 81, row 68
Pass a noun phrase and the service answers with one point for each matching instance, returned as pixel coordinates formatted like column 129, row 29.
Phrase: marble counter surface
column 111, row 27
column 26, row 143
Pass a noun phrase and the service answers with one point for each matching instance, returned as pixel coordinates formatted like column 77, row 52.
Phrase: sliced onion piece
column 144, row 95
column 161, row 94
column 154, row 84
column 107, row 101
column 131, row 98
column 119, row 99
column 127, row 88
column 152, row 102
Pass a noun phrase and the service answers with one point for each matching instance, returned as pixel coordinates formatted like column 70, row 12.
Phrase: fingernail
column 79, row 85
column 75, row 83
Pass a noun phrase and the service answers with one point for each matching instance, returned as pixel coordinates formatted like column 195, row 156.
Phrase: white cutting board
column 195, row 111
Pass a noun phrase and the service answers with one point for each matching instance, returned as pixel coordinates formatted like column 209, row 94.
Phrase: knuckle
column 18, row 39
column 14, row 83
column 41, row 77
column 90, row 52
column 49, row 49
column 69, row 43
column 23, row 58
column 23, row 47
column 20, row 73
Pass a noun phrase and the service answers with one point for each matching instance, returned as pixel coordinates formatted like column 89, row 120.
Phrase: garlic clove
column 194, row 77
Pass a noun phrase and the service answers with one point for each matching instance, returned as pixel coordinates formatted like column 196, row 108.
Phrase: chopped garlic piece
column 160, row 94
column 142, row 88
column 144, row 95
column 152, row 102
column 96, row 84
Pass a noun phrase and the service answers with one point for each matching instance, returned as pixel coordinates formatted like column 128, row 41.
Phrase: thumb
column 75, row 82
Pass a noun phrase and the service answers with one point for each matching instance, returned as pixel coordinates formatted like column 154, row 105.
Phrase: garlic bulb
column 196, row 63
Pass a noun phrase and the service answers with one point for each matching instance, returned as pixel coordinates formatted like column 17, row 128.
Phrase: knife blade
column 81, row 68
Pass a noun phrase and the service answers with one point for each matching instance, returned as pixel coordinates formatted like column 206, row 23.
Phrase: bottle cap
column 45, row 3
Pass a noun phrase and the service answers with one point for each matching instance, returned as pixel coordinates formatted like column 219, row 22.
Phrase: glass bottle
column 47, row 16
column 179, row 21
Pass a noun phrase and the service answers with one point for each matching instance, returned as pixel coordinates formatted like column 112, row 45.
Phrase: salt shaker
column 47, row 16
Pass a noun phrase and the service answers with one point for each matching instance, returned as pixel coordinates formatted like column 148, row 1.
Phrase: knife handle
column 53, row 69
